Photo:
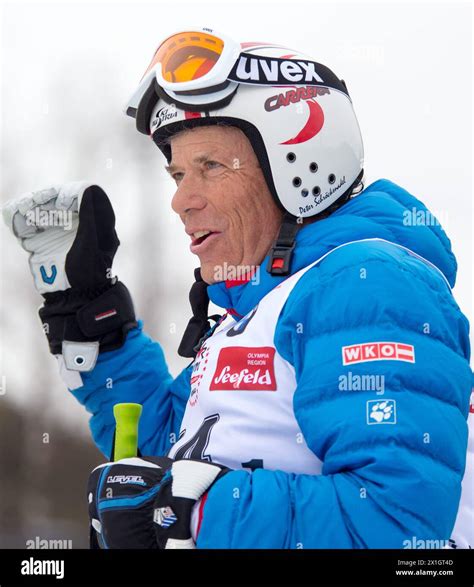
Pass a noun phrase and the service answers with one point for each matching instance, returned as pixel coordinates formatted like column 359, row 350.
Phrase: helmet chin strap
column 282, row 251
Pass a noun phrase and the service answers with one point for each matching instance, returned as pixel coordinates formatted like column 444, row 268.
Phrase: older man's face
column 222, row 199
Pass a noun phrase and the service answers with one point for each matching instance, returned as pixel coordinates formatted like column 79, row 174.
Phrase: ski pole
column 126, row 417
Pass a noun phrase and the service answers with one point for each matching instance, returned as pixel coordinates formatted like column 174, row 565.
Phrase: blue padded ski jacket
column 375, row 490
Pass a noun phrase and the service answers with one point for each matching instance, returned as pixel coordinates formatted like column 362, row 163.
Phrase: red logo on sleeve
column 378, row 351
column 245, row 369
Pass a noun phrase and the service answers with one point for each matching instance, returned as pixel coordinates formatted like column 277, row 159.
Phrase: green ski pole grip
column 127, row 417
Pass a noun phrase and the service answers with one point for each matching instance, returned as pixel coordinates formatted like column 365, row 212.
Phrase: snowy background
column 67, row 69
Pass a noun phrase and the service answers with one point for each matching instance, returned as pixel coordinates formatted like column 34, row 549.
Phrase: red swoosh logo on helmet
column 313, row 125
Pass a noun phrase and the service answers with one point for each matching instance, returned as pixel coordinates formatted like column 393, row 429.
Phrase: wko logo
column 378, row 351
column 245, row 369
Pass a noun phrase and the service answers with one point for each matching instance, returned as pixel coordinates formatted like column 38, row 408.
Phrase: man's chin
column 210, row 273
column 216, row 271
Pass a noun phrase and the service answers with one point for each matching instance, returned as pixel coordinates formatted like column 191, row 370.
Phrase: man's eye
column 177, row 176
column 212, row 164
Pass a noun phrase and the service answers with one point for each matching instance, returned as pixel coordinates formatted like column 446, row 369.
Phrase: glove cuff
column 71, row 317
column 184, row 485
column 191, row 479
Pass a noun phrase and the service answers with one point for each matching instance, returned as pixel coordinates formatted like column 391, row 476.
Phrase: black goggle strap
column 262, row 70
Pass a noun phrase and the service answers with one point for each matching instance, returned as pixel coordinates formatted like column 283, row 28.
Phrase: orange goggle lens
column 187, row 56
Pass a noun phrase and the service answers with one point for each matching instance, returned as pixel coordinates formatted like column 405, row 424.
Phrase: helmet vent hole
column 313, row 167
column 291, row 157
column 331, row 178
column 316, row 190
column 304, row 193
column 297, row 182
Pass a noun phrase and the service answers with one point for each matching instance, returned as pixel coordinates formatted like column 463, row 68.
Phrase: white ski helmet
column 296, row 113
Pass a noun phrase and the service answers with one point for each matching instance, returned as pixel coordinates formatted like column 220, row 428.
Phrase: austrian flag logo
column 245, row 369
column 378, row 351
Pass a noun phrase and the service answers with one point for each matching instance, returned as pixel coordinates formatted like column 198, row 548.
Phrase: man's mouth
column 200, row 239
column 199, row 236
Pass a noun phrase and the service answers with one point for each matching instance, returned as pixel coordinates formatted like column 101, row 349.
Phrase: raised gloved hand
column 69, row 231
column 147, row 502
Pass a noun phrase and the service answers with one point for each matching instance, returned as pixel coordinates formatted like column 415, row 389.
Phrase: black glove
column 121, row 499
column 147, row 502
column 89, row 260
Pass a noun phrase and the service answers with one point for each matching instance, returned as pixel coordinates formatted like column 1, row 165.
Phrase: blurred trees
column 43, row 479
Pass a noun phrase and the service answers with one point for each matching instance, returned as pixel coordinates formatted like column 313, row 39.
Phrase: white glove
column 69, row 231
column 46, row 222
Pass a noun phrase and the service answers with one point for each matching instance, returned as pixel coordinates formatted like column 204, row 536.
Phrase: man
column 327, row 407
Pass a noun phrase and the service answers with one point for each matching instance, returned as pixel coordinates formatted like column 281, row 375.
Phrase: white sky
column 408, row 67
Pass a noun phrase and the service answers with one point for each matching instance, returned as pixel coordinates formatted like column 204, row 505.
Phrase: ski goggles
column 200, row 69
column 188, row 69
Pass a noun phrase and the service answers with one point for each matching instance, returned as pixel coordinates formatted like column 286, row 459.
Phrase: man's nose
column 189, row 195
